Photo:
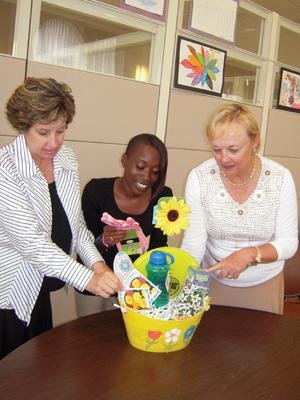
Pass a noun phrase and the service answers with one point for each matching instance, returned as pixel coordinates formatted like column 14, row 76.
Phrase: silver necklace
column 246, row 180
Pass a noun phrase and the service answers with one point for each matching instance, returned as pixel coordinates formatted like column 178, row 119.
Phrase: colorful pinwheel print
column 203, row 66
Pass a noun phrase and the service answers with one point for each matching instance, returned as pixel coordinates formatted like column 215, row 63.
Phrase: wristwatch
column 258, row 255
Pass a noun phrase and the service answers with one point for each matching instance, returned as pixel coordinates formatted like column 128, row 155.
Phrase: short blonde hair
column 228, row 113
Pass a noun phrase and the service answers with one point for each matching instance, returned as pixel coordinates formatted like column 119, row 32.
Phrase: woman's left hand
column 232, row 266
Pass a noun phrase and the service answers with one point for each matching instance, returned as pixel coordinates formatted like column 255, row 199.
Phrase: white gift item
column 123, row 266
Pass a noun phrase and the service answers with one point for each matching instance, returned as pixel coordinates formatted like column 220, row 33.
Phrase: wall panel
column 109, row 109
column 283, row 138
column 97, row 160
column 187, row 117
column 180, row 163
column 12, row 72
column 63, row 305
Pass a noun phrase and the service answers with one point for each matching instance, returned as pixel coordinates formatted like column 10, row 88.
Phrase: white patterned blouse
column 219, row 225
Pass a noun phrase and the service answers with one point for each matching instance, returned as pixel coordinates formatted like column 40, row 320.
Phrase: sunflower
column 171, row 216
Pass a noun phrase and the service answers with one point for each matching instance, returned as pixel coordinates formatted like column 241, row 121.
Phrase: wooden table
column 234, row 354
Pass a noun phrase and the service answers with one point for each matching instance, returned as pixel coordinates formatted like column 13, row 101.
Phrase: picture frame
column 289, row 90
column 199, row 67
column 153, row 9
column 222, row 13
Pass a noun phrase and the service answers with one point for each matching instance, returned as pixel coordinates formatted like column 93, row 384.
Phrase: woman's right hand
column 104, row 283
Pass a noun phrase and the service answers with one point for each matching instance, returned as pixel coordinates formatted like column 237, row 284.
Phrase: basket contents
column 192, row 298
column 151, row 298
column 139, row 292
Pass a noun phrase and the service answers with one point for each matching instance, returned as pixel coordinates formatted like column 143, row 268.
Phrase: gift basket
column 169, row 327
column 165, row 290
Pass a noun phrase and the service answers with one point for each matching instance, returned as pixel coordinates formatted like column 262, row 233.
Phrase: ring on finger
column 229, row 276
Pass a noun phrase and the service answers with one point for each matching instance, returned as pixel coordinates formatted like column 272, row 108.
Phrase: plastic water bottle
column 158, row 273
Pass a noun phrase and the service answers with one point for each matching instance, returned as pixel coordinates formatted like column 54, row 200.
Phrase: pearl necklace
column 246, row 180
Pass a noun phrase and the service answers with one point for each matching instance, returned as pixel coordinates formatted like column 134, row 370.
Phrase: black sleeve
column 91, row 208
column 157, row 238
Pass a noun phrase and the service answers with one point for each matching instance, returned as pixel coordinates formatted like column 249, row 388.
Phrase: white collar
column 26, row 165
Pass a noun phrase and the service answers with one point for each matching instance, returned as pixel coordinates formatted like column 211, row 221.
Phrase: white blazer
column 27, row 252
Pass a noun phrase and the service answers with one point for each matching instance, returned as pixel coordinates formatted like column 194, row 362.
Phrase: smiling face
column 45, row 140
column 141, row 169
column 232, row 149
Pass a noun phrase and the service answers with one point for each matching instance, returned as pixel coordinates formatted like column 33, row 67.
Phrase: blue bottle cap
column 160, row 258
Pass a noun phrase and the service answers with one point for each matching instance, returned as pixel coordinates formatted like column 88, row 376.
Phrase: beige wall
column 283, row 142
column 110, row 110
column 12, row 72
column 283, row 134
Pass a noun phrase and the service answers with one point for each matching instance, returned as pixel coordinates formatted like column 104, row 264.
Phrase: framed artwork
column 150, row 8
column 215, row 18
column 289, row 90
column 199, row 67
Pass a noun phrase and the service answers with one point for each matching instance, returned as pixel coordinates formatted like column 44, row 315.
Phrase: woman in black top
column 132, row 195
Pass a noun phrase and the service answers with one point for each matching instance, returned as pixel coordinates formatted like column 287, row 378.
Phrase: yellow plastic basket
column 157, row 335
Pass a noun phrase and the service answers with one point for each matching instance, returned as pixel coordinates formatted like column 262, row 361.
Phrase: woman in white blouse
column 244, row 220
column 41, row 222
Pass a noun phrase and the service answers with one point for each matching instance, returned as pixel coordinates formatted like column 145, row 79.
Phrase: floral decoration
column 202, row 65
column 171, row 337
column 189, row 332
column 171, row 215
column 153, row 337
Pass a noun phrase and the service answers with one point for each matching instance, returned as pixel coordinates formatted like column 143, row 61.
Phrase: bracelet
column 258, row 257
